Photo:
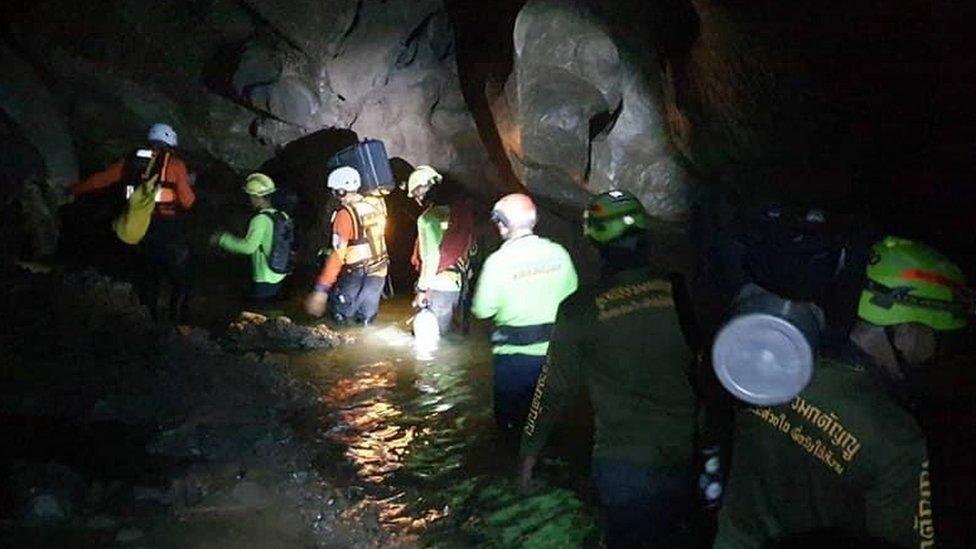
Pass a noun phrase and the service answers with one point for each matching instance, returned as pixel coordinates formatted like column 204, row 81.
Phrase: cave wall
column 239, row 81
column 864, row 106
column 580, row 115
column 858, row 108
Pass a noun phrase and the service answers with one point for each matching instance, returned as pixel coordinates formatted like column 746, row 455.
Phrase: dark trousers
column 642, row 506
column 514, row 385
column 165, row 254
column 356, row 296
column 263, row 291
column 442, row 304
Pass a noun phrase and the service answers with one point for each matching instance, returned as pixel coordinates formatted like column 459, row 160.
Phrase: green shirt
column 257, row 244
column 842, row 455
column 621, row 342
column 431, row 226
column 522, row 284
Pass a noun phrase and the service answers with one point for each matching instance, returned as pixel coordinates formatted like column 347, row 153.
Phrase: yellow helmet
column 258, row 184
column 422, row 176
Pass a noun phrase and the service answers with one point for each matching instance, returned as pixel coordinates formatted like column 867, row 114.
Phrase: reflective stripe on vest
column 165, row 190
column 521, row 335
column 368, row 243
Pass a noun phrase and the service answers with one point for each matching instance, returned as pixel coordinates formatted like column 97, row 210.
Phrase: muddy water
column 415, row 438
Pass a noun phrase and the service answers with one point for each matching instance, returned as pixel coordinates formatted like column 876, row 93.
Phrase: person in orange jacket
column 352, row 279
column 164, row 251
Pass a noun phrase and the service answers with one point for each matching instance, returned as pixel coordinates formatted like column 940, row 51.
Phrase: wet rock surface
column 240, row 79
column 253, row 331
column 121, row 432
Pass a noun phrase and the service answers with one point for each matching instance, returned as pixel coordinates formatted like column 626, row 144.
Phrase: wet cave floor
column 417, row 436
column 397, row 450
column 414, row 438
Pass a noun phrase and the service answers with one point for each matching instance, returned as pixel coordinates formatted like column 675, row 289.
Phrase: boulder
column 581, row 115
column 47, row 493
column 256, row 332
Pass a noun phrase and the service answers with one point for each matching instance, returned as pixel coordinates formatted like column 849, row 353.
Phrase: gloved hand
column 315, row 302
column 215, row 238
column 421, row 299
column 711, row 479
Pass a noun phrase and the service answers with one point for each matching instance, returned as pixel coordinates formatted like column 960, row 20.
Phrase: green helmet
column 612, row 215
column 258, row 184
column 911, row 282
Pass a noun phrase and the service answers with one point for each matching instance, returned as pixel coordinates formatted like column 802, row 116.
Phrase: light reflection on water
column 418, row 433
column 366, row 421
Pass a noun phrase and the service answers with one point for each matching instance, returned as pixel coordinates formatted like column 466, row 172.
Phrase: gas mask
column 765, row 354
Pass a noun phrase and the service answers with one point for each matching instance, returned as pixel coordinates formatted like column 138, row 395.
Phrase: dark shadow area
column 484, row 70
column 19, row 164
column 300, row 167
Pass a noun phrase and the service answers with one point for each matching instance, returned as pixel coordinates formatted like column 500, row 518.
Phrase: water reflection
column 419, row 436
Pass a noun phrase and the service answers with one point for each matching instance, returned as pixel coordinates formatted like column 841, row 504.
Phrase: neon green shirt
column 257, row 244
column 431, row 226
column 522, row 284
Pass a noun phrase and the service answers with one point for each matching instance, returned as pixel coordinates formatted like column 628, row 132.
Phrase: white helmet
column 344, row 179
column 163, row 133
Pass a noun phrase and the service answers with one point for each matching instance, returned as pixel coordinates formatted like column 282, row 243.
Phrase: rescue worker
column 520, row 287
column 352, row 279
column 259, row 241
column 844, row 462
column 620, row 341
column 444, row 240
column 164, row 251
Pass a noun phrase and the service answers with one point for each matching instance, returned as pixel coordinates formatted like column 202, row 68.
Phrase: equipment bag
column 143, row 164
column 132, row 224
column 142, row 187
column 370, row 160
column 788, row 253
column 281, row 258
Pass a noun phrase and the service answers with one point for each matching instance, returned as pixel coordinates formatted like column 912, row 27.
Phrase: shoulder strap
column 356, row 223
column 164, row 169
column 269, row 215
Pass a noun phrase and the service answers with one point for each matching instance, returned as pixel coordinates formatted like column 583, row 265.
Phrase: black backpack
column 281, row 258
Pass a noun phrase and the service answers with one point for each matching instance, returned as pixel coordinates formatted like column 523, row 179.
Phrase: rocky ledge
column 124, row 432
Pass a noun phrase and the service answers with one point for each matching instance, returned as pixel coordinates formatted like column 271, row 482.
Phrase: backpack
column 286, row 200
column 131, row 225
column 281, row 258
column 369, row 158
column 142, row 165
column 791, row 254
column 141, row 176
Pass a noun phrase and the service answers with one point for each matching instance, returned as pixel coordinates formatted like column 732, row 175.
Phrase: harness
column 366, row 250
column 165, row 190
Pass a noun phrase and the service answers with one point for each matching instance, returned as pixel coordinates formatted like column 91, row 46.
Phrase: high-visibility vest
column 165, row 188
column 367, row 248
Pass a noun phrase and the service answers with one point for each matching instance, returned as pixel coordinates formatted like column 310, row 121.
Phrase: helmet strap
column 900, row 366
column 886, row 298
column 898, row 379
